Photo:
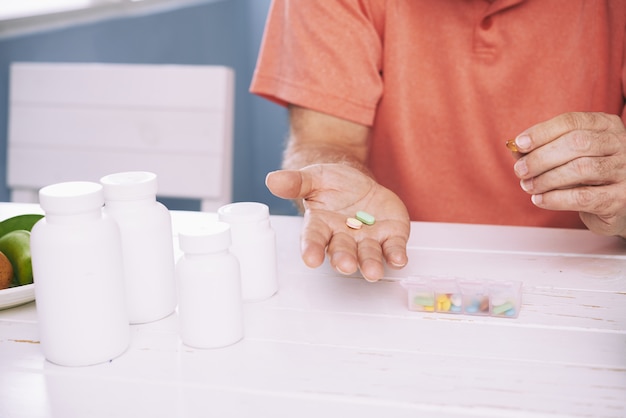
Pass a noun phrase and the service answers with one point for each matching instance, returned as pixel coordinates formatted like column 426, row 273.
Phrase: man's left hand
column 577, row 162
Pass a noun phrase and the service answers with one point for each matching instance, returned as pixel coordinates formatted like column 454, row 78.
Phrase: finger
column 289, row 184
column 394, row 251
column 580, row 171
column 600, row 207
column 315, row 237
column 604, row 201
column 566, row 149
column 370, row 255
column 549, row 130
column 342, row 250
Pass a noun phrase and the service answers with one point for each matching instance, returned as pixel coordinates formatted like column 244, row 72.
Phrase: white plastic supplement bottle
column 77, row 266
column 147, row 244
column 254, row 244
column 209, row 287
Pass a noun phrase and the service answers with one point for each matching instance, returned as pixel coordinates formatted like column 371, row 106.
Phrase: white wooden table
column 328, row 345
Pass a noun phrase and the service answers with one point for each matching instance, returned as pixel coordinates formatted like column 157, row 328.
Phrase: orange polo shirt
column 444, row 83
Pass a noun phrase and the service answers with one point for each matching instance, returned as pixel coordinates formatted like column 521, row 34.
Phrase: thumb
column 288, row 184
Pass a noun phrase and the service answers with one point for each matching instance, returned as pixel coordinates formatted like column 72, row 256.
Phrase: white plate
column 15, row 296
column 18, row 295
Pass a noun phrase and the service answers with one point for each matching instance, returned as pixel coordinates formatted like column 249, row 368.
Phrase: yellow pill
column 442, row 297
column 443, row 305
column 510, row 144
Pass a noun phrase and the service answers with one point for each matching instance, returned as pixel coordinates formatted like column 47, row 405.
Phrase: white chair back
column 80, row 121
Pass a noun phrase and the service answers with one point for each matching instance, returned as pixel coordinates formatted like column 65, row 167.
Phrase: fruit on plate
column 6, row 272
column 16, row 247
column 25, row 222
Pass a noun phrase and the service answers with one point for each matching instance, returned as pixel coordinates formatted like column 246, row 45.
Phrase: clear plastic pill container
column 464, row 296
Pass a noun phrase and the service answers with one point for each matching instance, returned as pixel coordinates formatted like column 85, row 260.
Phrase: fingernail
column 520, row 167
column 268, row 175
column 537, row 199
column 396, row 264
column 523, row 142
column 342, row 272
column 527, row 185
column 370, row 280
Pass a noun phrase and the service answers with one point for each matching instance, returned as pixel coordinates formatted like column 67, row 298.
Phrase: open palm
column 332, row 192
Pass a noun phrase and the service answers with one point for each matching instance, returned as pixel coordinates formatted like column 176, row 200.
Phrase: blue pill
column 510, row 312
column 471, row 309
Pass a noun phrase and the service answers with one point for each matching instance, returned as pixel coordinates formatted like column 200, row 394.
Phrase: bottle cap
column 243, row 212
column 71, row 197
column 205, row 238
column 129, row 185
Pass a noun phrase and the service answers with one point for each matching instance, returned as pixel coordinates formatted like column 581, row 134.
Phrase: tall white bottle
column 78, row 272
column 147, row 244
column 254, row 244
column 209, row 284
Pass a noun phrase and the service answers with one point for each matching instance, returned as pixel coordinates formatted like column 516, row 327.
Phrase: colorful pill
column 443, row 306
column 424, row 301
column 511, row 312
column 455, row 308
column 365, row 217
column 484, row 305
column 471, row 309
column 456, row 299
column 354, row 223
column 443, row 302
column 500, row 309
column 510, row 144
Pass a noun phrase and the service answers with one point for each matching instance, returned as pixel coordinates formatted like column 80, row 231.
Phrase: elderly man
column 402, row 108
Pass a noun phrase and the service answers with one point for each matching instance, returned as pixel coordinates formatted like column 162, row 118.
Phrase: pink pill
column 354, row 223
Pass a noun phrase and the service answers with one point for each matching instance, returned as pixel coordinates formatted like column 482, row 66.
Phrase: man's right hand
column 330, row 194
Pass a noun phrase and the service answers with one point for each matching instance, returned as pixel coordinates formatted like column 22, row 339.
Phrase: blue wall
column 216, row 33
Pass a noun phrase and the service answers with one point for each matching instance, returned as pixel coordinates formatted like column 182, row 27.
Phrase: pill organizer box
column 464, row 296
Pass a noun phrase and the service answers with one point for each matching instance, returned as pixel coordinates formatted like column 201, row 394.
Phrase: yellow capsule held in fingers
column 510, row 144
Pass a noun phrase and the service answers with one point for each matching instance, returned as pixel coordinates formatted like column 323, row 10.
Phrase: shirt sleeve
column 322, row 55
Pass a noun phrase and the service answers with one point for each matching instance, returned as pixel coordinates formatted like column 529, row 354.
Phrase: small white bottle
column 77, row 266
column 209, row 287
column 254, row 244
column 147, row 244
